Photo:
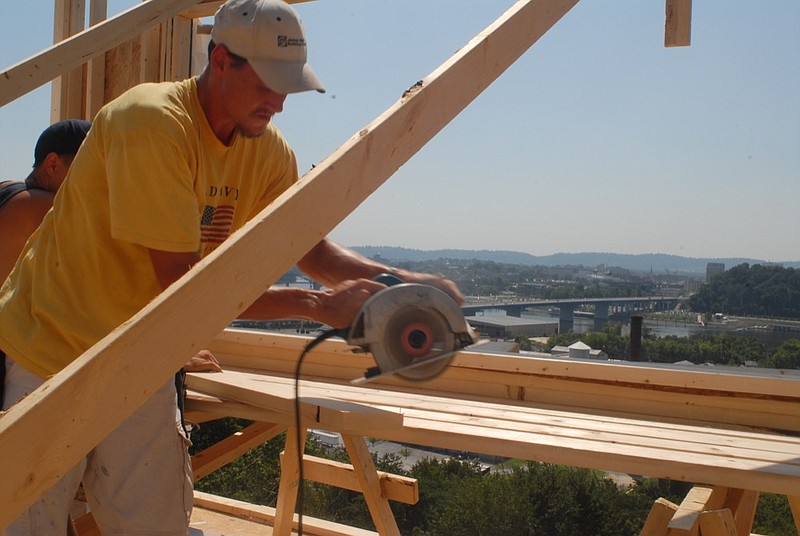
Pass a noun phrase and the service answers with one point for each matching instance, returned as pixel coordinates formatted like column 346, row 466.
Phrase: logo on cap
column 284, row 41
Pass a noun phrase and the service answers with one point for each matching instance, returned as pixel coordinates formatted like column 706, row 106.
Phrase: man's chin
column 252, row 131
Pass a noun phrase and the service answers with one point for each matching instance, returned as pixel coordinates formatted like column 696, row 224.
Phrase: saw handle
column 388, row 279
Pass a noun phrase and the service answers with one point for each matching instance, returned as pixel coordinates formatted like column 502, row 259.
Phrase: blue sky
column 598, row 139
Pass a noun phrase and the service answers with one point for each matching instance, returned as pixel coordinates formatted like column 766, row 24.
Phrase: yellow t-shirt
column 150, row 175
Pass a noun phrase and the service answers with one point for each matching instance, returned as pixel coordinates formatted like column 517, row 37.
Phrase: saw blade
column 376, row 373
column 413, row 334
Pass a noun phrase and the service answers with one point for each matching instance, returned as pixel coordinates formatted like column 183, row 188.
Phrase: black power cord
column 298, row 421
column 387, row 279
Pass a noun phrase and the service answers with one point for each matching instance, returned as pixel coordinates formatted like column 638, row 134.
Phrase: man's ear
column 50, row 163
column 219, row 57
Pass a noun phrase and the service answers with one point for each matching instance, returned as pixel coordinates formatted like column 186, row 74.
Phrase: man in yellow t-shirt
column 167, row 173
column 23, row 206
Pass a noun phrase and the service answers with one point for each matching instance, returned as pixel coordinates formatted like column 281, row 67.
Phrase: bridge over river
column 603, row 308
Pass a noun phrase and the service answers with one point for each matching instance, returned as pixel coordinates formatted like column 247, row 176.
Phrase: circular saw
column 411, row 330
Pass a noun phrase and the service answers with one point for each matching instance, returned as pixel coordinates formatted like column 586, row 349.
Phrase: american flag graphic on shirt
column 215, row 224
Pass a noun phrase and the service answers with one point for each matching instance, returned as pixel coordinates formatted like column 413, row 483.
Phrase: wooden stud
column 378, row 506
column 717, row 523
column 73, row 52
column 96, row 67
column 290, row 481
column 180, row 48
column 742, row 504
column 67, row 90
column 678, row 25
column 342, row 475
column 207, row 8
column 658, row 519
column 266, row 514
column 231, row 448
column 699, row 499
column 151, row 55
column 87, row 526
column 794, row 504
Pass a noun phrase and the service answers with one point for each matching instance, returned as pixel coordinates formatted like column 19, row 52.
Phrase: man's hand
column 339, row 305
column 445, row 285
column 202, row 361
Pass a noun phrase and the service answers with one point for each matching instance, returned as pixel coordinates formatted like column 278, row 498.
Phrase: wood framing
column 603, row 439
column 163, row 334
column 73, row 52
column 392, row 487
column 290, row 481
column 643, row 439
column 678, row 25
column 735, row 396
column 233, row 447
column 207, row 8
column 66, row 95
column 659, row 517
column 368, row 477
column 266, row 514
column 96, row 67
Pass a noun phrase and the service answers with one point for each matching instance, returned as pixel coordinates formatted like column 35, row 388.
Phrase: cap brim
column 287, row 77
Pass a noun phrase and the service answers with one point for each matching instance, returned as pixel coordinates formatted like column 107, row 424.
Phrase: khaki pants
column 138, row 480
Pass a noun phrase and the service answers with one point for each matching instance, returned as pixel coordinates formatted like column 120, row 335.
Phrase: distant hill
column 657, row 262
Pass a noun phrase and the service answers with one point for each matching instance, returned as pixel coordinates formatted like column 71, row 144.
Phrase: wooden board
column 392, row 487
column 73, row 52
column 762, row 399
column 318, row 412
column 266, row 514
column 231, row 448
column 613, row 441
column 678, row 25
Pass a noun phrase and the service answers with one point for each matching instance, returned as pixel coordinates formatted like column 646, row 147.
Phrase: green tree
column 524, row 343
column 774, row 516
column 787, row 356
column 536, row 499
column 757, row 290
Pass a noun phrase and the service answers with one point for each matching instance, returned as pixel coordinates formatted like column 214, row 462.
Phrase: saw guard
column 407, row 323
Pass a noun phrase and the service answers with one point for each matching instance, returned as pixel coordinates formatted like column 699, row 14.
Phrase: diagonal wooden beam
column 128, row 365
column 231, row 448
column 207, row 8
column 370, row 484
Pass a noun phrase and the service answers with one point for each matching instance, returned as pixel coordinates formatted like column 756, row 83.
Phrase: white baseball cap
column 269, row 35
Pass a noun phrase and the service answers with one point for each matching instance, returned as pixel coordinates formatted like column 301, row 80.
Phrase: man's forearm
column 284, row 302
column 336, row 306
column 329, row 263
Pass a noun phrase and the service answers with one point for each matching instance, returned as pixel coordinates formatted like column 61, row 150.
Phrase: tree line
column 698, row 348
column 757, row 290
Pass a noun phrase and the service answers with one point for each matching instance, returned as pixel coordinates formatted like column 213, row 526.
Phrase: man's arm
column 329, row 263
column 336, row 306
column 170, row 265
column 19, row 219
